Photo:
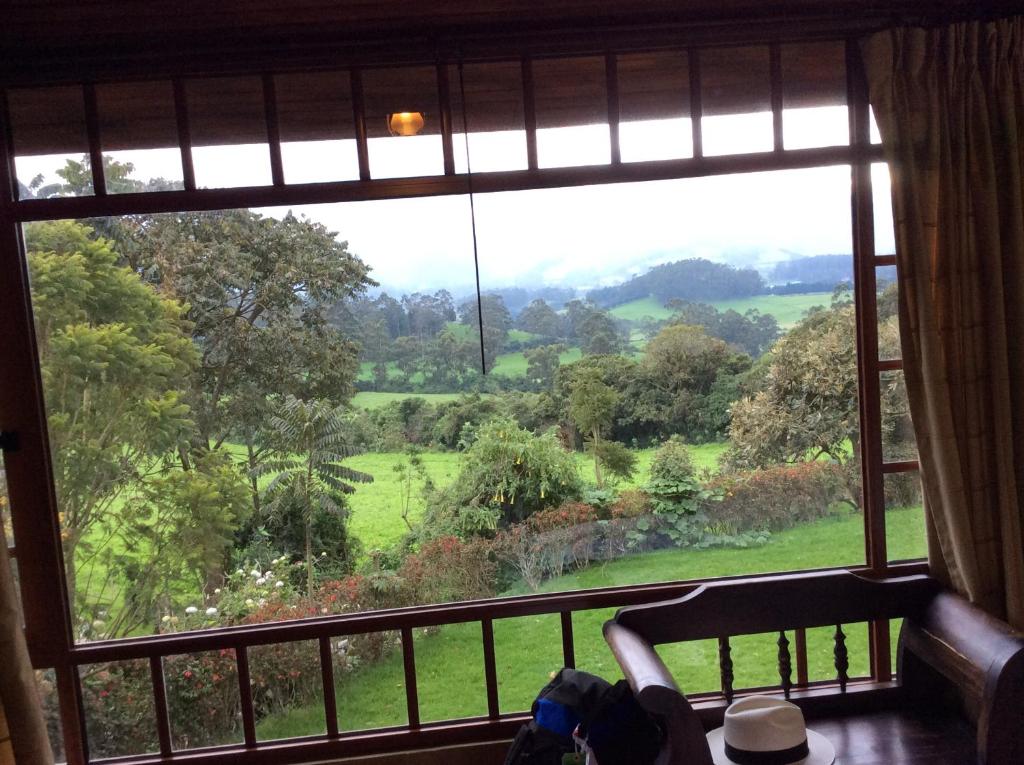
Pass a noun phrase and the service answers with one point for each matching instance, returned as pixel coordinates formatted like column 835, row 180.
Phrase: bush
column 449, row 569
column 672, row 462
column 775, row 498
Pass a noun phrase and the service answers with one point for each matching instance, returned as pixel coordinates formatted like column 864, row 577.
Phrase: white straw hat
column 762, row 730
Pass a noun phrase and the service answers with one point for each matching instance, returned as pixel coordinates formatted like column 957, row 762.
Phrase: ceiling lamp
column 405, row 123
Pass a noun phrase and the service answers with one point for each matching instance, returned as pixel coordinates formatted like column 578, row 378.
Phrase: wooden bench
column 958, row 694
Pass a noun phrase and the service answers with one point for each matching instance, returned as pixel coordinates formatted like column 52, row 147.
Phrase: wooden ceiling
column 50, row 40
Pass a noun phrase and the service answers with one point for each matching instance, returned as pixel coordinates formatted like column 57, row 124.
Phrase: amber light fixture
column 405, row 123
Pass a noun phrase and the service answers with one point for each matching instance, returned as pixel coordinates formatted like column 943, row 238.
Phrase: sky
column 580, row 237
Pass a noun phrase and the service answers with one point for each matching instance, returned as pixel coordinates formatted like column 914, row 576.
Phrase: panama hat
column 761, row 730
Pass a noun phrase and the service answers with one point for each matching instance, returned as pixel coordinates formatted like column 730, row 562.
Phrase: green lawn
column 375, row 399
column 514, row 364
column 450, row 663
column 787, row 309
column 376, row 515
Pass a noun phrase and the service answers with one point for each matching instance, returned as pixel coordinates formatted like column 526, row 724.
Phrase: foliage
column 540, row 319
column 672, row 462
column 592, row 405
column 775, row 498
column 507, row 474
column 752, row 332
column 314, row 480
column 692, row 279
column 542, row 364
column 616, row 459
column 112, row 353
column 449, row 569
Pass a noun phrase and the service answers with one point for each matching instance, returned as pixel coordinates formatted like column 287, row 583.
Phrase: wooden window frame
column 34, row 507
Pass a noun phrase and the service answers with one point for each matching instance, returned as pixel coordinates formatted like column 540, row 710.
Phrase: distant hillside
column 695, row 280
column 819, row 272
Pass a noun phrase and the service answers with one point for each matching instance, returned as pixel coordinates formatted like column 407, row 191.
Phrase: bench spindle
column 785, row 663
column 725, row 667
column 842, row 658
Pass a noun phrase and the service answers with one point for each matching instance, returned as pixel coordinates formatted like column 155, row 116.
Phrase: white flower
column 239, row 572
column 263, row 601
column 261, row 581
column 211, row 611
column 165, row 619
column 343, row 645
column 323, row 610
column 279, row 583
column 217, row 591
column 191, row 610
column 323, row 554
column 250, row 602
column 254, row 574
column 98, row 624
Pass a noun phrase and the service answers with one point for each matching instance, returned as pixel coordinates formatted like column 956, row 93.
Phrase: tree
column 592, row 406
column 540, row 319
column 309, row 447
column 258, row 292
column 113, row 354
column 542, row 364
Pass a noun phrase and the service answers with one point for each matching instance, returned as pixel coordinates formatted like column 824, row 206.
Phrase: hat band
column 773, row 757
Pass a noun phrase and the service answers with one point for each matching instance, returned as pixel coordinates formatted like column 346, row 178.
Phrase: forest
column 247, row 427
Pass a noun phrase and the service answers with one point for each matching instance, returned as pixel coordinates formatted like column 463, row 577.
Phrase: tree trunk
column 597, row 459
column 309, row 558
column 253, row 481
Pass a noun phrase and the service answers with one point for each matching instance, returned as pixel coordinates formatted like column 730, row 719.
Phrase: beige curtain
column 950, row 107
column 23, row 738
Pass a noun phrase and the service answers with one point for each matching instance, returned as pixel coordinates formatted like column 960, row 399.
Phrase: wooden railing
column 333, row 743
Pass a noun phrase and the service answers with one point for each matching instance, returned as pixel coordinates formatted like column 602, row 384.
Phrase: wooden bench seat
column 957, row 697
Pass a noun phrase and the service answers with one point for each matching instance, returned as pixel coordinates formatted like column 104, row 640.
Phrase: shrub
column 449, row 569
column 631, row 503
column 775, row 498
column 672, row 462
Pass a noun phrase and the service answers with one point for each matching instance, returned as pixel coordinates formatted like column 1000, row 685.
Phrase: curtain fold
column 949, row 104
column 23, row 737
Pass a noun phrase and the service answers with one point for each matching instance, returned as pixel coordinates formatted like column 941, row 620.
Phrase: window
column 367, row 379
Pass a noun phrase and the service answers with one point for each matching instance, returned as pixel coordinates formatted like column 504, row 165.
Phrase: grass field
column 787, row 309
column 375, row 399
column 375, row 508
column 449, row 663
column 514, row 364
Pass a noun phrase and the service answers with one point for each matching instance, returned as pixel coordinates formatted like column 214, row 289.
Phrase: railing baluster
column 842, row 658
column 801, row 657
column 327, row 676
column 785, row 663
column 163, row 725
column 490, row 669
column 568, row 644
column 725, row 667
column 409, row 661
column 245, row 693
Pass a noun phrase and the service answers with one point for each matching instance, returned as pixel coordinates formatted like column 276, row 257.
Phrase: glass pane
column 881, row 189
column 571, row 102
column 887, row 308
column 229, row 132
column 369, row 678
column 493, row 116
column 654, row 106
column 117, row 702
column 527, row 650
column 898, row 440
column 46, row 685
column 814, row 95
column 905, row 534
column 51, row 143
column 736, row 100
column 287, row 686
column 203, row 700
column 447, row 658
column 408, row 91
column 314, row 113
column 139, row 135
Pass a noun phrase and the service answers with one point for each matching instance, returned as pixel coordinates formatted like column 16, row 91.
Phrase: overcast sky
column 580, row 237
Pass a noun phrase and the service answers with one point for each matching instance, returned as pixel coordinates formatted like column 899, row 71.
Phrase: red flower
column 188, row 674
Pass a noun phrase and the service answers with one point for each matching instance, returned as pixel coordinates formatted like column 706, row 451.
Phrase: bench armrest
column 658, row 694
column 981, row 658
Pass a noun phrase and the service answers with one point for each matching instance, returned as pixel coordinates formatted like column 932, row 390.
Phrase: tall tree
column 113, row 354
column 309, row 444
column 258, row 292
column 592, row 407
column 540, row 319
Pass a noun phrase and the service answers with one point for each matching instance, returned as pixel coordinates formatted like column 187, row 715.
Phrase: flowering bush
column 775, row 498
column 448, row 569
